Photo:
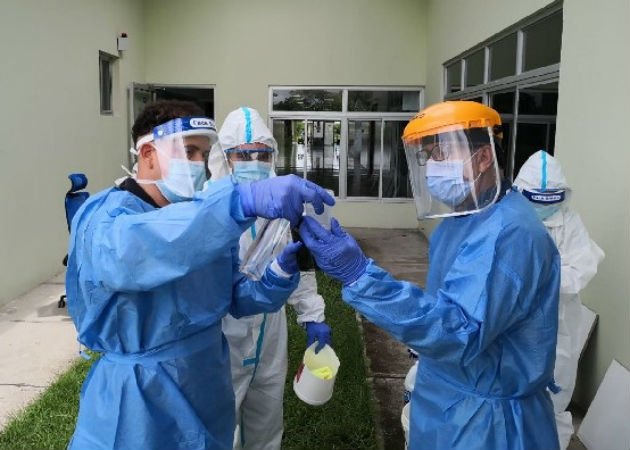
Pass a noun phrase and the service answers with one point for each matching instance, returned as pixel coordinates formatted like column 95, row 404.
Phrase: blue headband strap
column 202, row 124
column 545, row 197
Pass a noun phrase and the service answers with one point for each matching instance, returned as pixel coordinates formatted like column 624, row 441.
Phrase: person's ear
column 148, row 154
column 484, row 158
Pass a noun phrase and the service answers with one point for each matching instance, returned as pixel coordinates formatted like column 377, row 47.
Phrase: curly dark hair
column 160, row 112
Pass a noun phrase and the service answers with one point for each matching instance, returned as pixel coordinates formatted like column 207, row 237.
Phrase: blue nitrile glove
column 335, row 251
column 282, row 197
column 287, row 259
column 317, row 331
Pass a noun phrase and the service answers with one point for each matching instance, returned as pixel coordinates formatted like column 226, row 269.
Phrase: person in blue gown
column 485, row 325
column 152, row 270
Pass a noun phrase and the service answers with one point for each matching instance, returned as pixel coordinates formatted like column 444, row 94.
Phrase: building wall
column 243, row 47
column 592, row 143
column 51, row 123
column 593, row 96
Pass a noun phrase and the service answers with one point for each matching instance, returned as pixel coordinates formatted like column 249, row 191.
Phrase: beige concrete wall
column 593, row 137
column 591, row 141
column 51, row 122
column 243, row 47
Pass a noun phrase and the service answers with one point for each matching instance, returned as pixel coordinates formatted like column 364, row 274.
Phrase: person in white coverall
column 258, row 344
column 542, row 181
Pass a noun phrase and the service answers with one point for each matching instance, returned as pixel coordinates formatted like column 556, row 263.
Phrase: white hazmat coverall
column 258, row 344
column 579, row 256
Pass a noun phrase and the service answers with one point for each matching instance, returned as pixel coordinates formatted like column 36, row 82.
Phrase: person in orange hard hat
column 485, row 324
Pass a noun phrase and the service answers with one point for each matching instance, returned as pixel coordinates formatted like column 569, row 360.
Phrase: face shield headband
column 185, row 126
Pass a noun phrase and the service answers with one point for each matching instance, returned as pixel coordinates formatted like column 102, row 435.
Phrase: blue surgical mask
column 183, row 179
column 249, row 171
column 445, row 180
column 546, row 211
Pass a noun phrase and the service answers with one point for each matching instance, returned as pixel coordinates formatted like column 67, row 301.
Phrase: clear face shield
column 251, row 162
column 182, row 147
column 454, row 172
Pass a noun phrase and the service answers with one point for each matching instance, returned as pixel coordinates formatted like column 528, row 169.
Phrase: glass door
column 322, row 153
column 364, row 158
column 309, row 148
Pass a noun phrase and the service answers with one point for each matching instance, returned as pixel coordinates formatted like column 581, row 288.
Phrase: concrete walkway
column 37, row 343
column 404, row 254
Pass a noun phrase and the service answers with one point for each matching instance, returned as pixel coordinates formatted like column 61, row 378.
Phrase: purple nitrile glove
column 287, row 259
column 317, row 331
column 335, row 251
column 282, row 197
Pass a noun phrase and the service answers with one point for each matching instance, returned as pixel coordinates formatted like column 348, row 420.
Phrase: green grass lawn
column 48, row 423
column 345, row 422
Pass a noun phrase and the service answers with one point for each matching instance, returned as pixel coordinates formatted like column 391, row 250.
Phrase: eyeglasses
column 438, row 152
column 249, row 155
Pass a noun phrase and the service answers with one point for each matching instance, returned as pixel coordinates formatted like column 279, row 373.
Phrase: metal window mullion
column 304, row 169
column 462, row 80
column 514, row 133
column 445, row 82
column 343, row 160
column 486, row 66
column 548, row 129
column 344, row 101
column 380, row 178
column 520, row 39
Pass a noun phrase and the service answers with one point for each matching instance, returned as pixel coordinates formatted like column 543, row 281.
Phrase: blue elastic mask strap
column 544, row 171
column 248, row 125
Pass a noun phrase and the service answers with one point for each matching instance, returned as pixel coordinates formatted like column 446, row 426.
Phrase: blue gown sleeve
column 479, row 298
column 265, row 295
column 133, row 251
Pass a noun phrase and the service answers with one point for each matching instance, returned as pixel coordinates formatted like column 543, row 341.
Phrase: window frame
column 111, row 60
column 485, row 45
column 521, row 80
column 344, row 116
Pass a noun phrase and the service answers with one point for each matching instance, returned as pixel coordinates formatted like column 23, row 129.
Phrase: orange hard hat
column 450, row 116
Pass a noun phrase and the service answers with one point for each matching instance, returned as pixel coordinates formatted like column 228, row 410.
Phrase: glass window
column 307, row 100
column 531, row 137
column 503, row 102
column 324, row 138
column 291, row 156
column 384, row 101
column 475, row 99
column 395, row 171
column 539, row 100
column 503, row 57
column 454, row 77
column 105, row 63
column 543, row 41
column 474, row 68
column 364, row 158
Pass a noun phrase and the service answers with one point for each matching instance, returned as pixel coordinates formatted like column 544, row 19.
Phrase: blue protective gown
column 485, row 328
column 148, row 287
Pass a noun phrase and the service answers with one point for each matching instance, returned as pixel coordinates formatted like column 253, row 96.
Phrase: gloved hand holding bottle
column 317, row 331
column 335, row 251
column 282, row 197
column 287, row 259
